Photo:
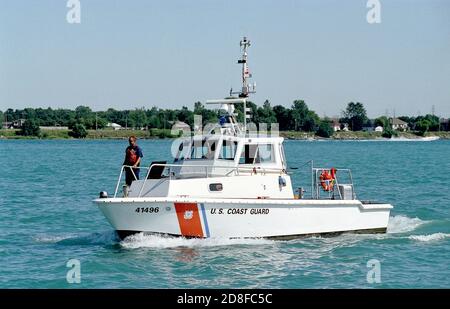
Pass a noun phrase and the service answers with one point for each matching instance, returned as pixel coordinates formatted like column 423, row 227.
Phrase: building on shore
column 114, row 126
column 444, row 124
column 181, row 126
column 16, row 124
column 337, row 126
column 378, row 129
column 398, row 124
column 53, row 128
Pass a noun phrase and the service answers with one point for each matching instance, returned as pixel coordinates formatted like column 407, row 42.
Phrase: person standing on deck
column 133, row 155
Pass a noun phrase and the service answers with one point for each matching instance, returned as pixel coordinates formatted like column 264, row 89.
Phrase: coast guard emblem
column 188, row 214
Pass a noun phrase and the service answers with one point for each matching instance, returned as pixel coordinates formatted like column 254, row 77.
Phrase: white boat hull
column 242, row 218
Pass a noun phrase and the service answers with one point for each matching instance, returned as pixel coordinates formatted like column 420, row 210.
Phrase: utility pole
column 96, row 127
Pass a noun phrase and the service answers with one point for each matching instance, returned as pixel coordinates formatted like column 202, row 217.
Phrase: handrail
column 120, row 176
column 206, row 166
column 316, row 187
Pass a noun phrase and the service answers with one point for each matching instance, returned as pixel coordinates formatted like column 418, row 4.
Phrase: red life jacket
column 132, row 156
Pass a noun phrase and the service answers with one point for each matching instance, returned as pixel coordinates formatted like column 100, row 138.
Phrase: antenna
column 228, row 103
column 245, row 90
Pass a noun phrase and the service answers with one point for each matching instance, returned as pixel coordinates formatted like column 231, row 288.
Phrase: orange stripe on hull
column 189, row 219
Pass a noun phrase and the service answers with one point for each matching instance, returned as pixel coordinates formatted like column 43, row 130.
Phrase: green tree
column 30, row 128
column 388, row 132
column 325, row 129
column 303, row 118
column 422, row 126
column 30, row 113
column 101, row 122
column 10, row 115
column 138, row 118
column 266, row 113
column 355, row 115
column 198, row 108
column 284, row 117
column 78, row 131
column 154, row 122
column 299, row 112
column 311, row 122
column 114, row 116
column 382, row 121
column 186, row 116
column 208, row 116
column 433, row 122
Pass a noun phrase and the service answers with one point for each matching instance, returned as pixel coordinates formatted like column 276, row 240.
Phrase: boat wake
column 403, row 224
column 418, row 139
column 156, row 241
column 100, row 238
column 397, row 224
column 431, row 237
column 51, row 239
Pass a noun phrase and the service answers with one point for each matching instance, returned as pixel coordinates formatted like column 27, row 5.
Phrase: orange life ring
column 327, row 179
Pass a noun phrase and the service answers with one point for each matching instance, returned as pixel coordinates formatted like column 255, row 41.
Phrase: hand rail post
column 118, row 181
column 145, row 180
column 312, row 179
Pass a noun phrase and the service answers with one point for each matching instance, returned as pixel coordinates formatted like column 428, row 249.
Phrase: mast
column 246, row 89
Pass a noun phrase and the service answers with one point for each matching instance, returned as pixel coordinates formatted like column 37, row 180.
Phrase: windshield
column 204, row 149
column 228, row 150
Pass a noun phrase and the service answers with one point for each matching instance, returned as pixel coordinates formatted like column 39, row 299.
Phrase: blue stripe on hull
column 205, row 221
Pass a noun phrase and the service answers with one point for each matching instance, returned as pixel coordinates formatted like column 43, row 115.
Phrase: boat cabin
column 222, row 155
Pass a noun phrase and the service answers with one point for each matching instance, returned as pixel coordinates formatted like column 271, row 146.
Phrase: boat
column 233, row 183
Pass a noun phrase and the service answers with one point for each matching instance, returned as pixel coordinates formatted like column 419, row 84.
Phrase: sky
column 133, row 54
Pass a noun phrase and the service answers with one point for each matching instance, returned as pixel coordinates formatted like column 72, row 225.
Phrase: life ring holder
column 327, row 179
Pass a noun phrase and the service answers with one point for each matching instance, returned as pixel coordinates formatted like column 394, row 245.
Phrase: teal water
column 47, row 218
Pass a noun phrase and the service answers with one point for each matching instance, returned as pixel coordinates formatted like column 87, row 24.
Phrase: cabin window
column 248, row 154
column 203, row 150
column 265, row 154
column 228, row 150
column 255, row 154
column 215, row 187
column 183, row 150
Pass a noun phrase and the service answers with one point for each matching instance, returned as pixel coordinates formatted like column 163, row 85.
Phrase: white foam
column 431, row 237
column 154, row 241
column 402, row 224
column 51, row 238
column 107, row 237
column 415, row 139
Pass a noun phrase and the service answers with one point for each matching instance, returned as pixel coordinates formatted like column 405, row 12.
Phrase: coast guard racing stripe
column 189, row 219
column 205, row 221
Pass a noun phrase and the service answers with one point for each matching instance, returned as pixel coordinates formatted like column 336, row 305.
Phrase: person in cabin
column 133, row 155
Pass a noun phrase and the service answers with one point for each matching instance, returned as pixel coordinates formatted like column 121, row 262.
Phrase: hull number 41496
column 147, row 210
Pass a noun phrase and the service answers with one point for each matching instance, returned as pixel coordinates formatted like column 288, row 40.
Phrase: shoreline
column 11, row 134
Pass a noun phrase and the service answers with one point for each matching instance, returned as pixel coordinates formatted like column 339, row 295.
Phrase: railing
column 316, row 185
column 233, row 169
